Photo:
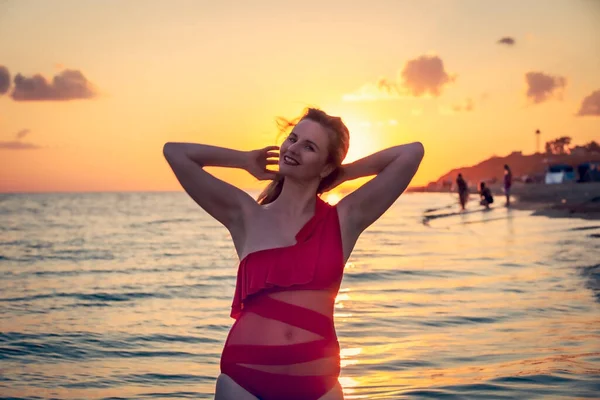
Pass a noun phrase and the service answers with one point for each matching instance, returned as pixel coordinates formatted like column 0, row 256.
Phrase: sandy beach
column 568, row 200
column 580, row 200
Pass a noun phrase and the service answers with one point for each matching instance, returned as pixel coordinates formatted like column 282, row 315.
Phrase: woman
column 292, row 248
column 507, row 183
column 463, row 191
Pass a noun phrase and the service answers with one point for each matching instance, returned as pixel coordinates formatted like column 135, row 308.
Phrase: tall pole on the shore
column 537, row 140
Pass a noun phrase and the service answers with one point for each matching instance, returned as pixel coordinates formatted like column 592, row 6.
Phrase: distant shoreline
column 570, row 199
column 580, row 200
column 567, row 200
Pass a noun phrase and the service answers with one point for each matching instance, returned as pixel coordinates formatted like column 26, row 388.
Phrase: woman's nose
column 293, row 148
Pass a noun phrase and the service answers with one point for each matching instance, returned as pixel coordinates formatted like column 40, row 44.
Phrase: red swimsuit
column 315, row 262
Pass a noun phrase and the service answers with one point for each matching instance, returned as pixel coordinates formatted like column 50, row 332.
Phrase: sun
column 362, row 141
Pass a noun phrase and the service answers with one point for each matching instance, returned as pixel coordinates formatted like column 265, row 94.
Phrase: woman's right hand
column 259, row 159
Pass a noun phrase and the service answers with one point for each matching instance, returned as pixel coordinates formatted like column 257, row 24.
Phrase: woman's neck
column 296, row 198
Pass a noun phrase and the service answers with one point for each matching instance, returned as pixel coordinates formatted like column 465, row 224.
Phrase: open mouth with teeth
column 290, row 161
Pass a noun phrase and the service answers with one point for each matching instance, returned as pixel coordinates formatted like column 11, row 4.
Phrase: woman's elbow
column 169, row 149
column 417, row 151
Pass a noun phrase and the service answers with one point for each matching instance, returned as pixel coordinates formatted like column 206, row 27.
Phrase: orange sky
column 118, row 79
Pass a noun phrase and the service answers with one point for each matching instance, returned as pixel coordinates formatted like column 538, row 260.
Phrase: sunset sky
column 91, row 90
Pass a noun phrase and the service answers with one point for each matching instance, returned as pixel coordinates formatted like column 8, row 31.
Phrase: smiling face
column 304, row 154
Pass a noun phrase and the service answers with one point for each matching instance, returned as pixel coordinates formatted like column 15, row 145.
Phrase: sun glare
column 362, row 141
column 333, row 198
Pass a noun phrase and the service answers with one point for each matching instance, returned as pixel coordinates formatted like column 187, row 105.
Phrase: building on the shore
column 589, row 172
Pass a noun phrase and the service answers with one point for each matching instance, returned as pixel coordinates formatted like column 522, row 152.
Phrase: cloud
column 541, row 87
column 17, row 145
column 467, row 105
column 22, row 133
column 384, row 89
column 507, row 40
column 386, row 86
column 68, row 85
column 4, row 79
column 425, row 74
column 590, row 105
column 420, row 76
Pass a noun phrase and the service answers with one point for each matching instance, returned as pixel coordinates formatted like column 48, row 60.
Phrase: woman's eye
column 294, row 140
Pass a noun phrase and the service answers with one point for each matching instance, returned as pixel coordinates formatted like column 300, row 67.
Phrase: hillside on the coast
column 531, row 166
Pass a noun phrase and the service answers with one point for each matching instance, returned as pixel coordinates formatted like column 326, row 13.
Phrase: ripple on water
column 110, row 296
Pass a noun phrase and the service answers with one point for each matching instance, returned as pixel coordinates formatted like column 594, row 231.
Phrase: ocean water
column 127, row 295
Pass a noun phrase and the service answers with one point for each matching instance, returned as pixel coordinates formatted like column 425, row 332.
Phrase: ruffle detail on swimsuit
column 283, row 267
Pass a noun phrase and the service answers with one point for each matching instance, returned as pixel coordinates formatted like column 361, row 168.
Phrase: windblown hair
column 339, row 139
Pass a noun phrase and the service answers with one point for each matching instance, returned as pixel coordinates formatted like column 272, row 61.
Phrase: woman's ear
column 327, row 170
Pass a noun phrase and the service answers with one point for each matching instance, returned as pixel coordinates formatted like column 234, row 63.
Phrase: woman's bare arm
column 223, row 201
column 394, row 169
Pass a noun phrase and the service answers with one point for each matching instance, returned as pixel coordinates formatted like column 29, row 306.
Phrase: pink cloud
column 542, row 87
column 18, row 144
column 425, row 74
column 4, row 79
column 420, row 76
column 590, row 105
column 68, row 85
column 507, row 40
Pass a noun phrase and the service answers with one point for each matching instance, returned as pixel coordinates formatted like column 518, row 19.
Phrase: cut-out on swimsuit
column 315, row 262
